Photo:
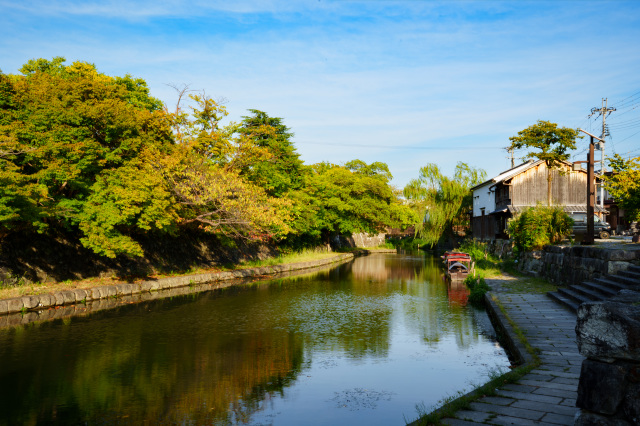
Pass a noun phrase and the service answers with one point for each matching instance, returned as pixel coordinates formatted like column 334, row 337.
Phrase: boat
column 458, row 265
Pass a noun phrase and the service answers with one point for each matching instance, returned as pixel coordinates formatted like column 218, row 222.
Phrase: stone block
column 609, row 330
column 613, row 267
column 81, row 294
column 59, row 297
column 30, row 302
column 127, row 288
column 109, row 290
column 601, row 387
column 145, row 286
column 94, row 293
column 46, row 301
column 68, row 296
column 4, row 307
column 14, row 304
column 623, row 255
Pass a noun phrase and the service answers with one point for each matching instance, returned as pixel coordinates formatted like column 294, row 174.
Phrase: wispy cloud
column 443, row 76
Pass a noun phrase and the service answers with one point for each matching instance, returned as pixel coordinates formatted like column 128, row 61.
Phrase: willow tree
column 552, row 145
column 442, row 203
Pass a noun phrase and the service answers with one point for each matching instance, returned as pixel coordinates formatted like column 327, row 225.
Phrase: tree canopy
column 624, row 184
column 552, row 145
column 100, row 157
column 442, row 203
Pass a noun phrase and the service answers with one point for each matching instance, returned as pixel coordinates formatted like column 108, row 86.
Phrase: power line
column 430, row 148
column 619, row 103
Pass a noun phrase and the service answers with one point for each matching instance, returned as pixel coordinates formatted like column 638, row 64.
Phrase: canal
column 362, row 343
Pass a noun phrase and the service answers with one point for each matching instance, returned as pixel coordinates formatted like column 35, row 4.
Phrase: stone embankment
column 547, row 394
column 567, row 265
column 608, row 335
column 66, row 298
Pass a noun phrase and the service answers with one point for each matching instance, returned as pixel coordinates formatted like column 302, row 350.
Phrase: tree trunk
column 549, row 186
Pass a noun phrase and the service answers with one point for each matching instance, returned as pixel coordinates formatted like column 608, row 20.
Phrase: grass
column 302, row 256
column 450, row 405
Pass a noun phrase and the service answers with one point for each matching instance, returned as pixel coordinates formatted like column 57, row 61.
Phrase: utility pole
column 510, row 151
column 591, row 193
column 604, row 111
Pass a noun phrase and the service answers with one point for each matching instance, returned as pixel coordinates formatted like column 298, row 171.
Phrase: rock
column 601, row 386
column 631, row 403
column 630, row 297
column 609, row 330
column 30, row 302
column 81, row 294
column 585, row 418
column 14, row 305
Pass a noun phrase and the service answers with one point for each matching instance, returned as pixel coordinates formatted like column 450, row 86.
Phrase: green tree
column 442, row 203
column 280, row 168
column 624, row 184
column 552, row 145
column 61, row 128
column 348, row 199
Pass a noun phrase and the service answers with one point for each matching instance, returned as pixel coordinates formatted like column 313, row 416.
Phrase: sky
column 406, row 83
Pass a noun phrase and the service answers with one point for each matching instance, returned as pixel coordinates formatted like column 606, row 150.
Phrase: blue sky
column 402, row 82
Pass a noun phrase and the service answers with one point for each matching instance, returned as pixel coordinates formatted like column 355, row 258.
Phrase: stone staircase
column 597, row 289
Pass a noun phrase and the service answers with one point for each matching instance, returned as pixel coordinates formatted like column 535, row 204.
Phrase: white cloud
column 371, row 73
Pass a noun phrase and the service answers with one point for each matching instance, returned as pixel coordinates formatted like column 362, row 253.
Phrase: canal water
column 363, row 343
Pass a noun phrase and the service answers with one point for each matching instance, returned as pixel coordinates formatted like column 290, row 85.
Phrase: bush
column 478, row 288
column 539, row 226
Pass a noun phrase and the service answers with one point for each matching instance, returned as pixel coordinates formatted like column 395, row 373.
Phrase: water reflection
column 379, row 332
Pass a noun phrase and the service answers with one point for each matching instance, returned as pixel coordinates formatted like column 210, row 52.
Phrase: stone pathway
column 547, row 395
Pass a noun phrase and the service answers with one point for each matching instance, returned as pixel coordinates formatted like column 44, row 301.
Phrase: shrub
column 478, row 288
column 539, row 226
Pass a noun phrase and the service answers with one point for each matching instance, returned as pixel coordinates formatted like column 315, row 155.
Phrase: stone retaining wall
column 608, row 334
column 568, row 265
column 82, row 296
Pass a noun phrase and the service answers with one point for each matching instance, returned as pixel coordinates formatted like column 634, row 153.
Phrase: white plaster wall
column 483, row 198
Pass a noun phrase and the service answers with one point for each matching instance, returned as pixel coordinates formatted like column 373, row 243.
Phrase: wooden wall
column 530, row 187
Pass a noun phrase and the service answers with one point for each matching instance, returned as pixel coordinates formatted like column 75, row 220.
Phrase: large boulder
column 611, row 329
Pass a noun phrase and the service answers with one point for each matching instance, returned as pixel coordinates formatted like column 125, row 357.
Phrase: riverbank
column 61, row 296
column 540, row 336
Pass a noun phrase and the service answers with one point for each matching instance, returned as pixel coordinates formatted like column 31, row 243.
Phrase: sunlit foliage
column 552, row 145
column 624, row 184
column 442, row 203
column 98, row 156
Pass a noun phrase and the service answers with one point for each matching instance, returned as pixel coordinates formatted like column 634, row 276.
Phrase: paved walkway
column 547, row 395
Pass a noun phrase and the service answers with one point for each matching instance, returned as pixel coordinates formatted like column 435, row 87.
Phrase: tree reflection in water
column 223, row 356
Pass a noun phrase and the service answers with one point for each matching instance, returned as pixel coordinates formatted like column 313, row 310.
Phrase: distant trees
column 552, row 143
column 100, row 157
column 442, row 203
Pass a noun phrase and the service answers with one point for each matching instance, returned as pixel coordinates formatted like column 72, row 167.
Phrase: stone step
column 631, row 274
column 604, row 290
column 615, row 285
column 574, row 295
column 571, row 304
column 623, row 280
column 634, row 268
column 587, row 292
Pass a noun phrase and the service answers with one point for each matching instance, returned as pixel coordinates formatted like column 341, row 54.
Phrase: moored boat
column 458, row 265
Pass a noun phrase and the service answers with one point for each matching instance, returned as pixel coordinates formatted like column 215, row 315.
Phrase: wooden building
column 500, row 198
